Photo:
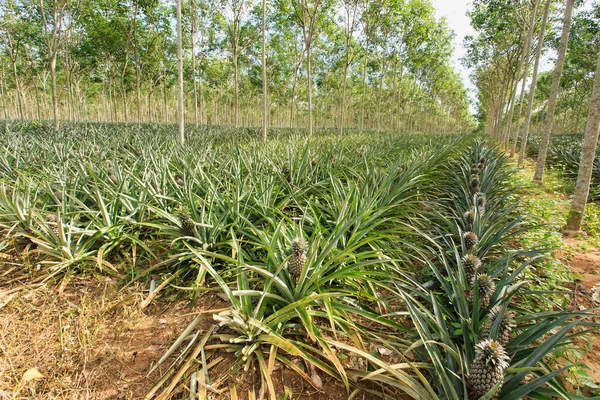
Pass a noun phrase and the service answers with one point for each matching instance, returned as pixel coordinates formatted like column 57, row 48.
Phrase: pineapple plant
column 487, row 370
column 471, row 241
column 471, row 265
column 185, row 219
column 485, row 287
column 469, row 217
column 505, row 329
column 299, row 246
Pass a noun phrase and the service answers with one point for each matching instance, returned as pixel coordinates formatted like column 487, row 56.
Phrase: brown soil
column 92, row 341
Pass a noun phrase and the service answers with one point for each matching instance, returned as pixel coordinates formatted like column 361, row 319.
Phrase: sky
column 455, row 12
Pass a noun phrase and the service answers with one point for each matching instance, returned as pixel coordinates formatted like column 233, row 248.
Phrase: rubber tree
column 527, row 123
column 306, row 12
column 525, row 70
column 264, row 72
column 586, row 164
column 180, row 111
column 53, row 29
column 558, row 68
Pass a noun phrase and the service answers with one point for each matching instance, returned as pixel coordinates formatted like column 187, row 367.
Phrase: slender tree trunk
column 588, row 155
column 364, row 87
column 533, row 85
column 193, row 39
column 54, row 92
column 560, row 62
column 525, row 69
column 309, row 76
column 18, row 88
column 264, row 72
column 180, row 116
column 236, row 101
column 511, row 111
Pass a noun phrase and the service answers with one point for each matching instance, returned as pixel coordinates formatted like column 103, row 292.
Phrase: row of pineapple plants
column 564, row 156
column 476, row 315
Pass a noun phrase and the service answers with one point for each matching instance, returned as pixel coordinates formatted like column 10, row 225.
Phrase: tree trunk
column 192, row 32
column 18, row 88
column 588, row 154
column 54, row 94
column 309, row 76
column 560, row 62
column 533, row 84
column 264, row 71
column 364, row 87
column 525, row 69
column 180, row 117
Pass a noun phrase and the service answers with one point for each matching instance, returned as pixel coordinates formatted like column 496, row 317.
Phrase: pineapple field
column 366, row 266
column 564, row 155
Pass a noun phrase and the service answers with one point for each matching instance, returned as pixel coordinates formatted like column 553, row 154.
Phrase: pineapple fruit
column 487, row 369
column 485, row 289
column 298, row 260
column 474, row 184
column 471, row 265
column 471, row 241
column 185, row 219
column 480, row 201
column 469, row 217
column 505, row 329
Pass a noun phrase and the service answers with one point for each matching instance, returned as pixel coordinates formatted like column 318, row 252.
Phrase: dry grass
column 90, row 342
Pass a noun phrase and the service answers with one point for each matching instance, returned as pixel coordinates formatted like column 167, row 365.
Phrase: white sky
column 455, row 12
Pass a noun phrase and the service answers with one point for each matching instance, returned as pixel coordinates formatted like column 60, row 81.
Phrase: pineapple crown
column 182, row 209
column 471, row 261
column 299, row 246
column 493, row 353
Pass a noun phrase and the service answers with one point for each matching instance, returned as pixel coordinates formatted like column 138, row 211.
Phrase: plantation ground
column 217, row 225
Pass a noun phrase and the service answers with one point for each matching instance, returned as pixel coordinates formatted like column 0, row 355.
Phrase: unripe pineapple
column 469, row 217
column 52, row 221
column 285, row 170
column 482, row 160
column 505, row 329
column 480, row 201
column 313, row 163
column 471, row 241
column 179, row 180
column 475, row 170
column 487, row 369
column 474, row 184
column 485, row 289
column 298, row 260
column 481, row 166
column 471, row 265
column 185, row 219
